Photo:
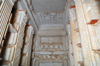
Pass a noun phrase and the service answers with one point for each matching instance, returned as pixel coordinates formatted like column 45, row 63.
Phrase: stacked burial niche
column 41, row 39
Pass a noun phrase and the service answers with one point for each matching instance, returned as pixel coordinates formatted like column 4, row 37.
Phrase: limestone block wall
column 5, row 17
column 12, row 51
column 84, row 22
column 27, row 47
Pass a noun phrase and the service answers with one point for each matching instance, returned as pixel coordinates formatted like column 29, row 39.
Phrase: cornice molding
column 26, row 4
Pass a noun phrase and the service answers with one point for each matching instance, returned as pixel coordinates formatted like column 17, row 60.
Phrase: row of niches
column 51, row 47
column 52, row 57
column 5, row 18
column 11, row 51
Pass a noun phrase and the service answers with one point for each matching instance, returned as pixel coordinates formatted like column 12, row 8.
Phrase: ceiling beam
column 24, row 4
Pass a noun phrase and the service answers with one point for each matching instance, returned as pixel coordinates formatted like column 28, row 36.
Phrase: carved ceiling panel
column 50, row 18
column 52, row 40
column 51, row 44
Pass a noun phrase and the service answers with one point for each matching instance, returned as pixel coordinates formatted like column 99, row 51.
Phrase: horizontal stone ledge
column 49, row 53
column 51, row 33
column 53, row 27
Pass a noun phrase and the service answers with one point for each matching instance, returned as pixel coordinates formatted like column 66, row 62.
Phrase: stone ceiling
column 48, row 5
